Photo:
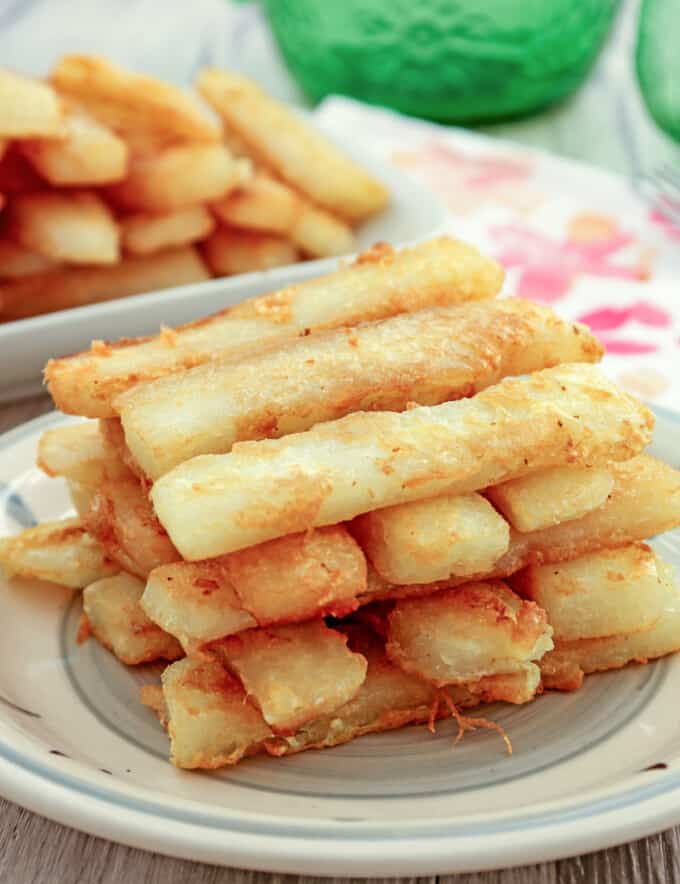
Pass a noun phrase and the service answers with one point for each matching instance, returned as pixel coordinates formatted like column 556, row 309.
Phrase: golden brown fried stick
column 80, row 453
column 79, row 286
column 427, row 357
column 464, row 634
column 552, row 496
column 201, row 603
column 294, row 578
column 28, row 108
column 454, row 535
column 130, row 102
column 121, row 519
column 212, row 723
column 572, row 414
column 564, row 668
column 380, row 283
column 113, row 615
column 59, row 552
column 297, row 153
column 604, row 593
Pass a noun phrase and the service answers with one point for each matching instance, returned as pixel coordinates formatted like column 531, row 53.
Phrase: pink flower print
column 608, row 319
column 625, row 347
column 668, row 227
column 467, row 181
column 547, row 267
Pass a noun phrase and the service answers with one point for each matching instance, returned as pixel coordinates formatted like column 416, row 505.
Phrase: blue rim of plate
column 352, row 830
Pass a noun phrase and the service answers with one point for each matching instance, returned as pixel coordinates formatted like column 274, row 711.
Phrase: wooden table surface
column 34, row 850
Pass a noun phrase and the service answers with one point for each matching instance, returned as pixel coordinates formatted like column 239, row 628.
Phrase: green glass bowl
column 449, row 60
column 658, row 62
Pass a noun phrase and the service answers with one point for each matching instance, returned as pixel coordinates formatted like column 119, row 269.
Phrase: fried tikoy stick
column 266, row 205
column 319, row 234
column 461, row 635
column 228, row 252
column 296, row 152
column 74, row 227
column 211, row 722
column 122, row 521
column 551, row 496
column 17, row 261
column 114, row 617
column 262, row 204
column 58, row 552
column 69, row 287
column 294, row 578
column 564, row 667
column 605, row 593
column 195, row 602
column 281, row 582
column 294, row 674
column 179, row 176
column 463, row 535
column 435, row 539
column 80, row 453
column 28, row 108
column 379, row 284
column 212, row 505
column 644, row 501
column 130, row 102
column 144, row 234
column 431, row 356
column 89, row 153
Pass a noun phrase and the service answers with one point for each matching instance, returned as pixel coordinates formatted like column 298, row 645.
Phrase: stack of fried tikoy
column 113, row 183
column 443, row 474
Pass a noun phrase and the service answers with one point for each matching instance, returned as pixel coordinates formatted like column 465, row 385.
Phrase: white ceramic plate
column 589, row 769
column 26, row 345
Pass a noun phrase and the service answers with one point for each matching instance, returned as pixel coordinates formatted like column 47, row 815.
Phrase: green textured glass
column 451, row 60
column 658, row 62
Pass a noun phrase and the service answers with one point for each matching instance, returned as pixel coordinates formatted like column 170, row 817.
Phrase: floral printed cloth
column 568, row 235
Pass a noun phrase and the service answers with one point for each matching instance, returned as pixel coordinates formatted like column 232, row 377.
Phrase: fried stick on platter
column 132, row 103
column 544, row 499
column 297, row 153
column 212, row 723
column 68, row 287
column 604, row 593
column 88, row 154
column 380, row 283
column 28, row 108
column 229, row 252
column 111, row 613
column 454, row 535
column 58, row 552
column 564, row 667
column 267, row 205
column 464, row 634
column 79, row 452
column 644, row 501
column 431, row 356
column 212, row 505
column 121, row 520
column 293, row 578
column 461, row 535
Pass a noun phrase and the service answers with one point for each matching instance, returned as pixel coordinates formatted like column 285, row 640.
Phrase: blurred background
column 475, row 62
